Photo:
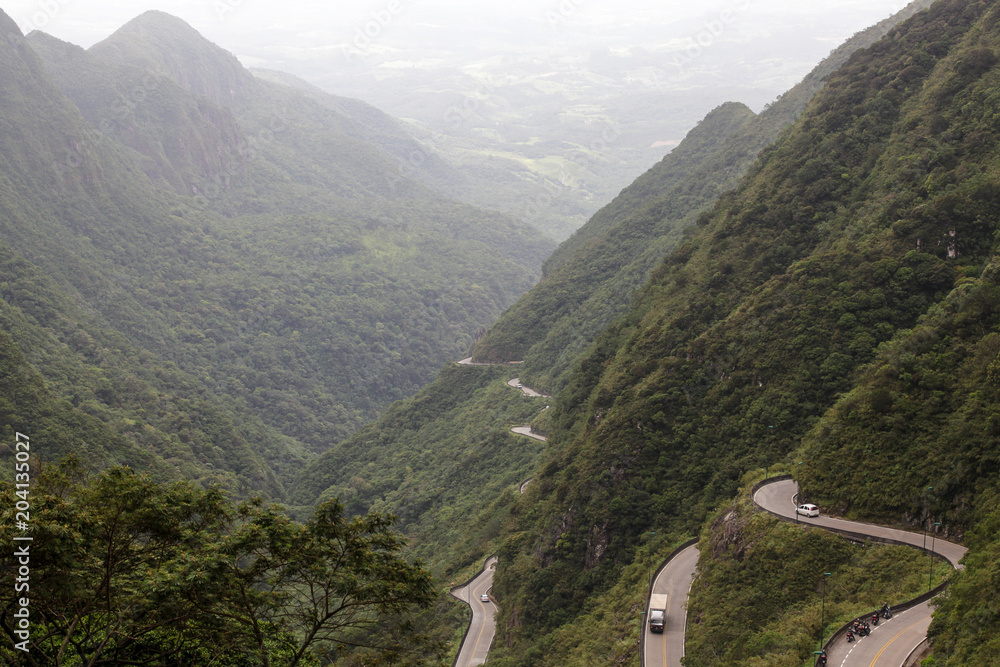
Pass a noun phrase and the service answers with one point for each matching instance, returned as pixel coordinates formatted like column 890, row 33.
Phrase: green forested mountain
column 446, row 463
column 849, row 232
column 181, row 138
column 591, row 278
column 922, row 421
column 412, row 157
column 229, row 285
column 158, row 42
column 443, row 461
column 835, row 314
column 835, row 310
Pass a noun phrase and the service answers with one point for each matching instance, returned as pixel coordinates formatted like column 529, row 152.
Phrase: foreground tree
column 124, row 570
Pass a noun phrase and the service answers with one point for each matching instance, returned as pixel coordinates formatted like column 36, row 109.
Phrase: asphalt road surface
column 469, row 362
column 513, row 382
column 667, row 649
column 479, row 638
column 891, row 641
column 526, row 430
column 778, row 497
column 889, row 644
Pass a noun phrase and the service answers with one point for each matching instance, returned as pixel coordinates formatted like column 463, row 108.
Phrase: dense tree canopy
column 127, row 571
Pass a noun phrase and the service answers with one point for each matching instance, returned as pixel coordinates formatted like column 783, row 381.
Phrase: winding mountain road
column 479, row 637
column 674, row 579
column 779, row 498
column 891, row 641
column 889, row 644
column 527, row 391
column 469, row 362
column 515, row 383
column 482, row 628
column 526, row 430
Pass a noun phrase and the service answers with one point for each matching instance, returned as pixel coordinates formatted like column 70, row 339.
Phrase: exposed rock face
column 186, row 140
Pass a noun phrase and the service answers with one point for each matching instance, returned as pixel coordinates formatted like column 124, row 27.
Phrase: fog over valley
column 545, row 333
column 571, row 100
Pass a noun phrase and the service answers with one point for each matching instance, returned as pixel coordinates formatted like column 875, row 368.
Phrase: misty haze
column 557, row 105
column 529, row 334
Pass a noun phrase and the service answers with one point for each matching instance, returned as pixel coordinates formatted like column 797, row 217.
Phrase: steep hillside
column 299, row 289
column 78, row 216
column 747, row 610
column 182, row 138
column 52, row 426
column 413, row 159
column 849, row 229
column 591, row 278
column 158, row 42
column 408, row 463
column 922, row 433
column 576, row 299
column 446, row 463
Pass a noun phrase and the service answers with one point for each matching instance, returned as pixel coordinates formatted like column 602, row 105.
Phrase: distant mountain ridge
column 225, row 273
column 591, row 278
column 136, row 107
column 164, row 44
column 413, row 159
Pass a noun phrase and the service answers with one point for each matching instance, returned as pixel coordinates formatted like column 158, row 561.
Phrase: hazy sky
column 269, row 33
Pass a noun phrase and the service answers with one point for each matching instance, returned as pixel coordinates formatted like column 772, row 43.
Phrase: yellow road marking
column 482, row 626
column 895, row 637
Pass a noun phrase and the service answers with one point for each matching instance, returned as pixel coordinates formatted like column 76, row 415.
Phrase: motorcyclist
column 875, row 618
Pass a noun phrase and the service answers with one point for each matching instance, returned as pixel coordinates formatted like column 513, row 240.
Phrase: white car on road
column 808, row 509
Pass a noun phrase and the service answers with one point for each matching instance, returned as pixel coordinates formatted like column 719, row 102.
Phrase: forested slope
column 852, row 230
column 440, row 461
column 922, row 431
column 183, row 139
column 77, row 212
column 27, row 406
column 229, row 288
column 742, row 340
column 413, row 158
column 591, row 278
